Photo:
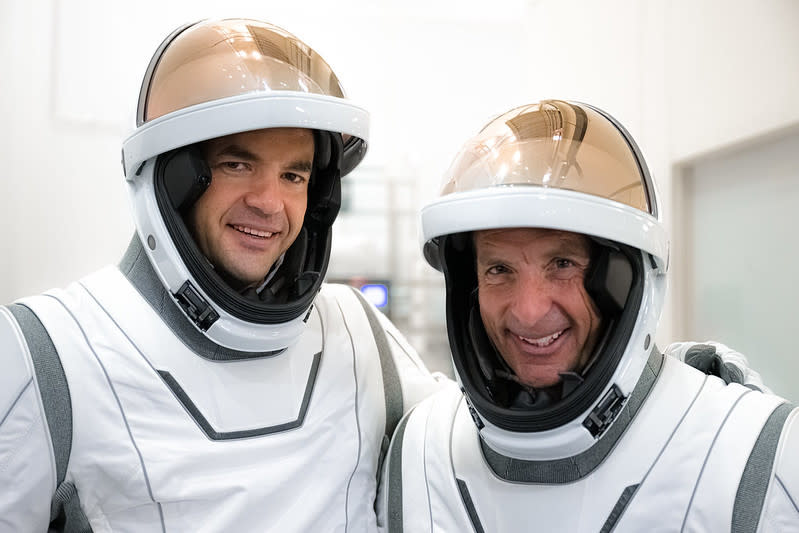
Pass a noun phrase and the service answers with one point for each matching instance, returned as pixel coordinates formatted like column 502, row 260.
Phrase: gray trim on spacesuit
column 757, row 473
column 469, row 504
column 52, row 382
column 788, row 494
column 213, row 434
column 707, row 456
column 392, row 389
column 571, row 469
column 16, row 400
column 65, row 511
column 394, row 512
column 75, row 520
column 391, row 381
column 194, row 411
column 136, row 267
column 618, row 509
column 357, row 417
column 122, row 414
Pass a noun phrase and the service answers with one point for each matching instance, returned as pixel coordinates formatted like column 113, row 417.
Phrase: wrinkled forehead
column 517, row 238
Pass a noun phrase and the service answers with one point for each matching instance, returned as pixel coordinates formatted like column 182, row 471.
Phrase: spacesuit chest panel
column 167, row 438
column 678, row 465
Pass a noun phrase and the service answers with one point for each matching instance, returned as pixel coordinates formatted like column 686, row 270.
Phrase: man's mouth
column 252, row 231
column 542, row 342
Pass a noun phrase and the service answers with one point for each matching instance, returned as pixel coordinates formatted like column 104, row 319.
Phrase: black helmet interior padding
column 609, row 278
column 179, row 182
column 490, row 364
column 324, row 188
column 486, row 355
column 616, row 272
column 188, row 176
column 283, row 286
column 353, row 153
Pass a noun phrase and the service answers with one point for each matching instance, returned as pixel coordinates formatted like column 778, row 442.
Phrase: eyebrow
column 239, row 152
column 234, row 150
column 300, row 166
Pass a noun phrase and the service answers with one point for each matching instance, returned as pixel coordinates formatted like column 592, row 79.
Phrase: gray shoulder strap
column 757, row 473
column 391, row 383
column 52, row 385
column 394, row 473
column 65, row 512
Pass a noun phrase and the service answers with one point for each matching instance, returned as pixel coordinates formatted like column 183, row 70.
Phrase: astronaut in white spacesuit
column 567, row 417
column 211, row 381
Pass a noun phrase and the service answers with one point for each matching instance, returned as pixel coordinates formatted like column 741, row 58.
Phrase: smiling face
column 533, row 300
column 254, row 208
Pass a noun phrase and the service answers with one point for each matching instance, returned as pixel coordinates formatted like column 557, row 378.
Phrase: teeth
column 543, row 341
column 251, row 231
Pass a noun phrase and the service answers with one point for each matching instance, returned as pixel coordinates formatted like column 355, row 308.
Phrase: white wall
column 686, row 77
column 732, row 80
column 743, row 255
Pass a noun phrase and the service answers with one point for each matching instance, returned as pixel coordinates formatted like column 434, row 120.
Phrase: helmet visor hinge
column 195, row 306
column 472, row 411
column 605, row 412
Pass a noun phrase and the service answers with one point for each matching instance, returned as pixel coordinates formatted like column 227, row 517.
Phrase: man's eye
column 294, row 178
column 566, row 269
column 496, row 270
column 234, row 166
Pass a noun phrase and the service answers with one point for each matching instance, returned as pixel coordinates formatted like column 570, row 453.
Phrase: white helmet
column 216, row 78
column 565, row 166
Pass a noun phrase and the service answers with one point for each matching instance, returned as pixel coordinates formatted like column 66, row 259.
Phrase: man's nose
column 265, row 194
column 532, row 299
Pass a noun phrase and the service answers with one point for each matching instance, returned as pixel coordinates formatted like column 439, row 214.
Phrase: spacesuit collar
column 136, row 267
column 570, row 469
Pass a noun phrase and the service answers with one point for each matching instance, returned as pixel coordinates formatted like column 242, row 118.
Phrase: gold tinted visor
column 223, row 58
column 555, row 144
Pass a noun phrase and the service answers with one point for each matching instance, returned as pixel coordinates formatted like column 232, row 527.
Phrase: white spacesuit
column 152, row 396
column 628, row 440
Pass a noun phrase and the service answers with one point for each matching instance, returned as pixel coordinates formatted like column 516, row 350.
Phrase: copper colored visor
column 217, row 59
column 555, row 144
